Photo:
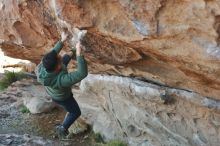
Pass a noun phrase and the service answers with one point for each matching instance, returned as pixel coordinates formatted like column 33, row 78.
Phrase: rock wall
column 171, row 42
column 174, row 44
column 134, row 111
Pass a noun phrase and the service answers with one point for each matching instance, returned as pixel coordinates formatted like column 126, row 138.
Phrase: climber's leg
column 72, row 107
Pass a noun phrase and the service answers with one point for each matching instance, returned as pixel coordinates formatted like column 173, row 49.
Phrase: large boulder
column 175, row 43
column 135, row 112
column 172, row 44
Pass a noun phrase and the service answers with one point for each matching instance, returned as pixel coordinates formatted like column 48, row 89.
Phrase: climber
column 52, row 73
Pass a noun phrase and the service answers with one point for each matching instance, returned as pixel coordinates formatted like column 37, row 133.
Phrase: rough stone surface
column 134, row 111
column 30, row 93
column 19, row 128
column 36, row 99
column 174, row 44
column 38, row 105
column 79, row 126
column 24, row 140
column 167, row 41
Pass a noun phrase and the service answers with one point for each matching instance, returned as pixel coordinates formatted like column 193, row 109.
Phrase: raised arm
column 69, row 79
column 59, row 45
column 72, row 78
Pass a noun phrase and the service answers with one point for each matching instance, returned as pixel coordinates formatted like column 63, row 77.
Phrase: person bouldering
column 52, row 73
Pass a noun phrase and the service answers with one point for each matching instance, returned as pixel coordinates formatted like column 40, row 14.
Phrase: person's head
column 52, row 62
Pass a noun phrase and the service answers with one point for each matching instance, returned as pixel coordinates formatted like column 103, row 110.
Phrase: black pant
column 72, row 107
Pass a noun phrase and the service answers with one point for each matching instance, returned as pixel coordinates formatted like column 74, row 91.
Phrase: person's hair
column 50, row 61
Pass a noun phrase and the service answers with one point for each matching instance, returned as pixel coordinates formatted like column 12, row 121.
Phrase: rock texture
column 29, row 93
column 171, row 42
column 14, row 119
column 38, row 105
column 24, row 140
column 134, row 111
column 36, row 99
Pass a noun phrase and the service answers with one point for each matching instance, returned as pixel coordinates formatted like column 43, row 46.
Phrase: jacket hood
column 44, row 77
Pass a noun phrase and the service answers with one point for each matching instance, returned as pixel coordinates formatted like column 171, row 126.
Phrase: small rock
column 12, row 89
column 38, row 104
column 8, row 141
column 79, row 126
column 4, row 96
column 3, row 115
column 85, row 137
column 23, row 140
column 133, row 131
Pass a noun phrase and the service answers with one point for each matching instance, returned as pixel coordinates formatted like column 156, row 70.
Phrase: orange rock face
column 168, row 42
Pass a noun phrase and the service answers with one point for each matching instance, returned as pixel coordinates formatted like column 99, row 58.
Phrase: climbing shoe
column 61, row 132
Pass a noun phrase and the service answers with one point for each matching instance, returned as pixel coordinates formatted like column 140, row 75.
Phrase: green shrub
column 9, row 78
column 24, row 109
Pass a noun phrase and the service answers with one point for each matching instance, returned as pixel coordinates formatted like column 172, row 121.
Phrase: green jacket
column 58, row 85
